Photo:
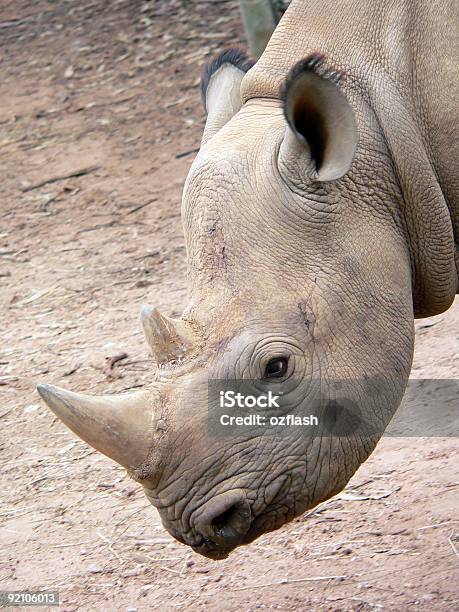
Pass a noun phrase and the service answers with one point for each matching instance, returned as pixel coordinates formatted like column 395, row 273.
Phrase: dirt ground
column 108, row 91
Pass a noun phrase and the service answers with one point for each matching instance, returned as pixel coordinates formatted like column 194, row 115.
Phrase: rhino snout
column 221, row 524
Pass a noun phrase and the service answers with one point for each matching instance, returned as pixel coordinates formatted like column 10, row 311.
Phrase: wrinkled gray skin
column 328, row 269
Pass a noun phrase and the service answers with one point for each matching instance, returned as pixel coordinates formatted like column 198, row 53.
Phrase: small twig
column 137, row 208
column 101, row 104
column 44, row 206
column 12, row 253
column 96, row 227
column 285, row 581
column 37, row 480
column 110, row 361
column 72, row 370
column 456, row 552
column 63, row 177
column 110, row 545
column 133, row 361
column 72, row 544
column 34, row 297
column 329, row 503
column 14, row 510
column 163, row 567
column 151, row 541
column 366, row 602
column 127, row 518
column 15, row 22
column 434, row 526
column 164, row 558
column 186, row 153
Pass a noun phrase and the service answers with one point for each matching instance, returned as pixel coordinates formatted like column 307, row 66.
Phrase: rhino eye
column 276, row 368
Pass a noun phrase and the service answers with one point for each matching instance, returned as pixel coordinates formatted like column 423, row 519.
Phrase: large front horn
column 117, row 426
column 168, row 339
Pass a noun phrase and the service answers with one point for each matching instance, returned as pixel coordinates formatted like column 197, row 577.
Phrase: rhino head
column 299, row 271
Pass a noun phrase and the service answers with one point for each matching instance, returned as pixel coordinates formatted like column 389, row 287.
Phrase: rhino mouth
column 231, row 518
column 236, row 527
column 215, row 549
column 212, row 551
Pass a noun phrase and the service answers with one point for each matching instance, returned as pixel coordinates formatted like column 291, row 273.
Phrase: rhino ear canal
column 220, row 89
column 321, row 137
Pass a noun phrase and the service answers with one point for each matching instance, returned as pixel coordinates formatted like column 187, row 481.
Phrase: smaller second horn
column 162, row 335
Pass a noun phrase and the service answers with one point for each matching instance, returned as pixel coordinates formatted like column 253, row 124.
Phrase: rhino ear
column 321, row 137
column 220, row 89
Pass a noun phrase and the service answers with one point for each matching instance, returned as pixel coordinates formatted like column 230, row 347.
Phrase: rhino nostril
column 233, row 523
column 223, row 522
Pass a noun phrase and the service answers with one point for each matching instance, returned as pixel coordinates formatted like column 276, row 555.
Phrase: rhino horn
column 168, row 339
column 117, row 426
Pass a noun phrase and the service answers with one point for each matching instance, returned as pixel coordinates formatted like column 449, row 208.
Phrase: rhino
column 321, row 218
